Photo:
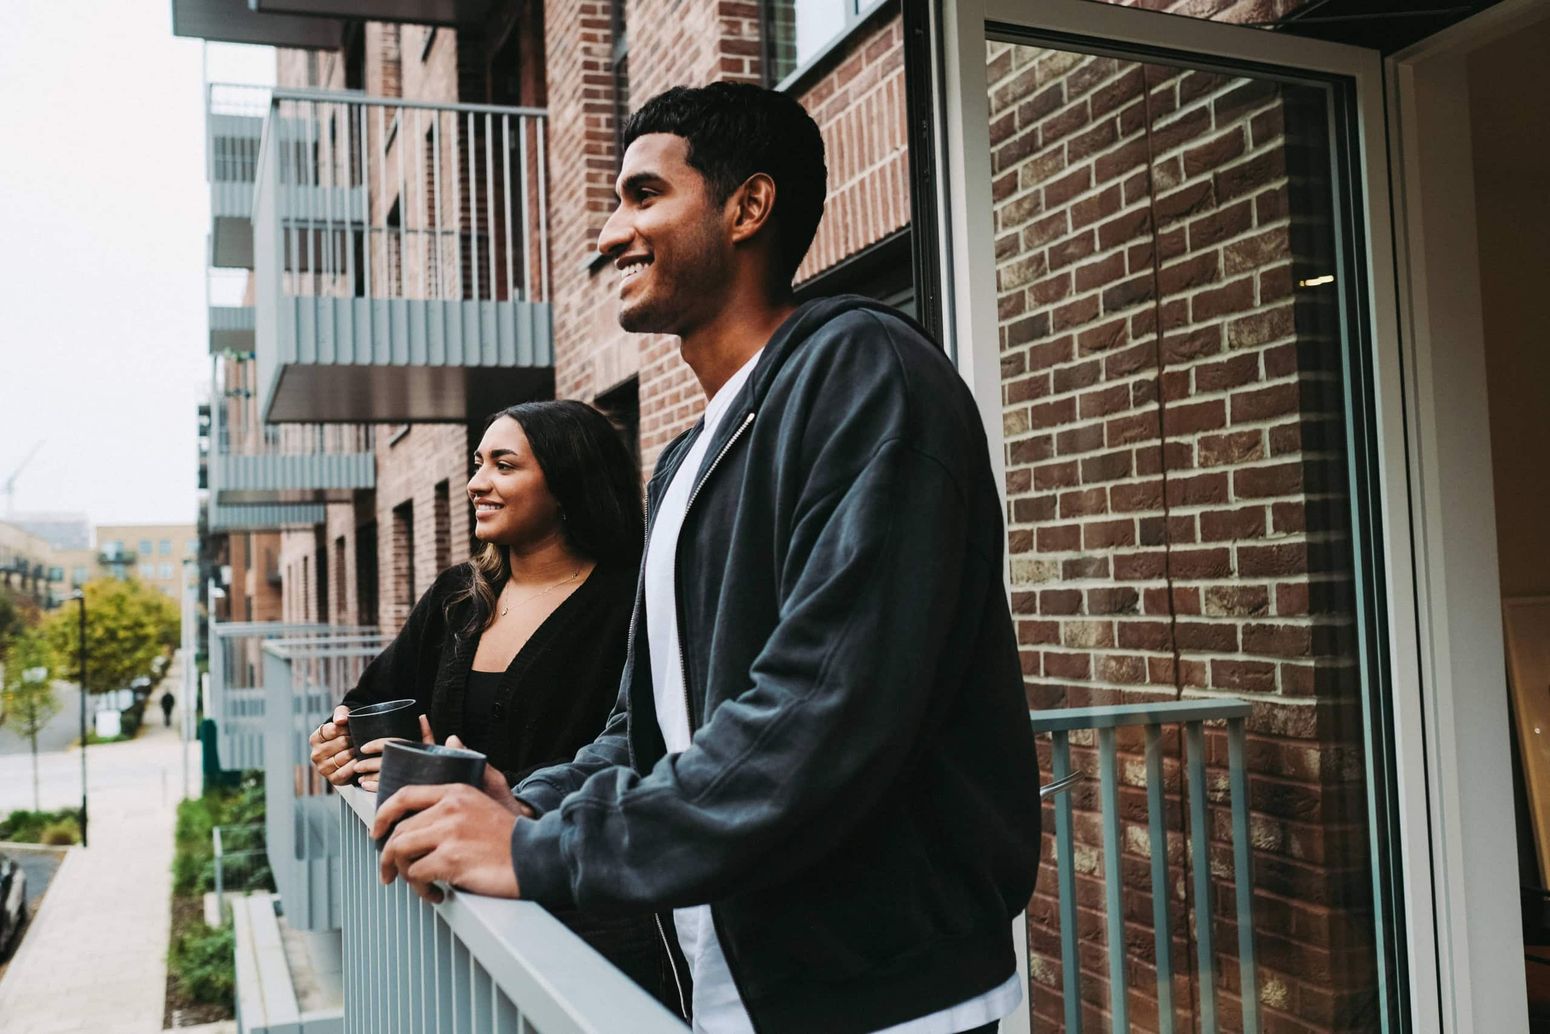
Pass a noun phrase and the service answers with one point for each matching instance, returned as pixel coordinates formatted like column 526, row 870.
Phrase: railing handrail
column 550, row 974
column 1118, row 716
column 238, row 628
column 353, row 97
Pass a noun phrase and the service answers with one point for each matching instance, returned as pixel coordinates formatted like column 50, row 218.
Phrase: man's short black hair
column 735, row 130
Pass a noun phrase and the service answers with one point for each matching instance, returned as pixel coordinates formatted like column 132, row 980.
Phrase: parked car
column 13, row 904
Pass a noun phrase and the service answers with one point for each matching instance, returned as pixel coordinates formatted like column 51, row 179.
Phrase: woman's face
column 512, row 504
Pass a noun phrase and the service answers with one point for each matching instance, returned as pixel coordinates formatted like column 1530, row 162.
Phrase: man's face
column 667, row 239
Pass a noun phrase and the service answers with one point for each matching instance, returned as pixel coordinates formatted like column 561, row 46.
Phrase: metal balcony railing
column 472, row 963
column 234, row 129
column 252, row 462
column 237, row 692
column 303, row 680
column 1159, row 723
column 401, row 259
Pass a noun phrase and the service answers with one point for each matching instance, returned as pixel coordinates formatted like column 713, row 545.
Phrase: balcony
column 400, row 260
column 234, row 129
column 472, row 963
column 237, row 690
column 230, row 307
column 235, row 21
column 240, row 517
column 253, row 463
column 303, row 678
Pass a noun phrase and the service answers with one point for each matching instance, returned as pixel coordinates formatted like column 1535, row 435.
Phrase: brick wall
column 1175, row 484
column 409, row 471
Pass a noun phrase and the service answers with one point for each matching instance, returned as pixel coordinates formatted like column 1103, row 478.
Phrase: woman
column 518, row 651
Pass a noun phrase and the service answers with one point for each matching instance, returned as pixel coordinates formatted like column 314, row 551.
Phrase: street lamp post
column 80, row 597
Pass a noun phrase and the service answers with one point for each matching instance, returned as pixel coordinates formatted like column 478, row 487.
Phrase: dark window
column 883, row 271
column 366, row 574
column 442, row 514
column 621, row 404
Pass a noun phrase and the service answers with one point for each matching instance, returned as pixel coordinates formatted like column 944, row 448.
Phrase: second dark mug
column 424, row 764
column 398, row 718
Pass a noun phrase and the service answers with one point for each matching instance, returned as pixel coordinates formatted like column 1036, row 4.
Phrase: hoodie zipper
column 683, row 671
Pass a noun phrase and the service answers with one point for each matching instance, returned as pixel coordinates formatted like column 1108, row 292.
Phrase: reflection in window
column 798, row 31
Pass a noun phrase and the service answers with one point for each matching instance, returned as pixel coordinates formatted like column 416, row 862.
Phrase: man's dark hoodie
column 860, row 803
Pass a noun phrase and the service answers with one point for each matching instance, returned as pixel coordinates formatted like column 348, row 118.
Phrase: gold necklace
column 507, row 608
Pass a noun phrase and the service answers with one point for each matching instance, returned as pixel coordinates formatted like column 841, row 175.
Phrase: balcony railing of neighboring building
column 239, row 517
column 234, row 130
column 303, row 679
column 401, row 259
column 230, row 313
column 237, row 693
column 1148, row 762
column 261, row 463
column 472, row 963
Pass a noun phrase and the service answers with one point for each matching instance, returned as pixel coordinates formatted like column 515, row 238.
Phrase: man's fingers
column 368, row 765
column 342, row 775
column 407, row 799
column 426, row 736
column 341, row 714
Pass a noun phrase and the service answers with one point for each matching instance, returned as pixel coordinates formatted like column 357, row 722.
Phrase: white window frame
column 1455, row 857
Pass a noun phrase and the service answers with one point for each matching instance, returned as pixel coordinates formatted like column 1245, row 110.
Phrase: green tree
column 17, row 614
column 128, row 625
column 30, row 702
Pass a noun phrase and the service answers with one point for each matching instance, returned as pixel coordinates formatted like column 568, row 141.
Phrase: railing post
column 1065, row 852
column 1241, row 847
column 1200, row 839
column 1158, row 837
column 1119, row 1007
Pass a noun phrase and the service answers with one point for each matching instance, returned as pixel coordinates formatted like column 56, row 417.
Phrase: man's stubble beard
column 698, row 277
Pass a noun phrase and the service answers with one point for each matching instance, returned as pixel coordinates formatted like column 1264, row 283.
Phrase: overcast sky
column 103, row 216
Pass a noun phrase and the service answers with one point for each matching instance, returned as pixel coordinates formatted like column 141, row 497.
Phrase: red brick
column 1232, row 448
column 1062, row 538
column 1060, row 601
column 1265, row 403
column 1208, row 636
column 1214, row 303
column 1227, row 525
column 1107, row 534
column 1264, row 482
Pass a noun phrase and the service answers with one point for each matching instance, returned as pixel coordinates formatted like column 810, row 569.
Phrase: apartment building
column 1163, row 248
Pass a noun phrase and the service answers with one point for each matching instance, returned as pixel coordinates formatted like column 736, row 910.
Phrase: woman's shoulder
column 614, row 584
column 453, row 580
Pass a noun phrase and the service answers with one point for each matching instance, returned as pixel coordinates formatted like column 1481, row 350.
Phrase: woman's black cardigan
column 554, row 697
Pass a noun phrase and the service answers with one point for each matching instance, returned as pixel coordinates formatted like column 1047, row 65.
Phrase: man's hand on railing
column 453, row 834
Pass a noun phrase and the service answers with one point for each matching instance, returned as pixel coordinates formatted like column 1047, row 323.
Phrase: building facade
column 1158, row 247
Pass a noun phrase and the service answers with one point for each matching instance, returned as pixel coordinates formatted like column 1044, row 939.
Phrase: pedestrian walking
column 167, row 700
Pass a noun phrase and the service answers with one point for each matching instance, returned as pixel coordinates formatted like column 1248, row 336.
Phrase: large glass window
column 798, row 32
column 1176, row 284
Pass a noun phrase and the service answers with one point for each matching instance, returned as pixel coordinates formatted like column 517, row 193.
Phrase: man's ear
column 751, row 205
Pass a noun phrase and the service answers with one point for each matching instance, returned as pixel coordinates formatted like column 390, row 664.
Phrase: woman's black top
column 552, row 699
column 478, row 702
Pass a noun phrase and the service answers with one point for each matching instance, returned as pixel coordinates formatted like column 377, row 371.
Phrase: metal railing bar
column 543, row 211
column 489, row 194
column 527, row 219
column 506, row 203
column 403, row 211
column 351, row 97
column 1108, row 785
column 1200, row 863
column 1119, row 716
column 1158, row 838
column 1065, row 854
column 473, row 205
column 1237, row 775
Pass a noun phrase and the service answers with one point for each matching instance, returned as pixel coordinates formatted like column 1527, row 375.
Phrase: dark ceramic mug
column 394, row 718
column 425, row 764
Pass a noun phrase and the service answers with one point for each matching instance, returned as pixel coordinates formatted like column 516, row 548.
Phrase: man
column 820, row 763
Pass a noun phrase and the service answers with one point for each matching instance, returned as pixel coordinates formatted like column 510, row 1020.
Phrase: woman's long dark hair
column 592, row 477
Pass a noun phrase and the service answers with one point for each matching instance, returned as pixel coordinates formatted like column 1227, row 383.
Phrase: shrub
column 30, row 827
column 203, row 963
column 58, row 834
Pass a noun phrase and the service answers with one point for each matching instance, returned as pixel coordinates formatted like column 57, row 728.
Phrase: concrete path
column 95, row 957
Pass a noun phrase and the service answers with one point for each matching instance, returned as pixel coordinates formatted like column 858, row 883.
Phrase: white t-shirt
column 717, row 1007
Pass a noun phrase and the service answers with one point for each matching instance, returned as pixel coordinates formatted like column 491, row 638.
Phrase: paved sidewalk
column 95, row 957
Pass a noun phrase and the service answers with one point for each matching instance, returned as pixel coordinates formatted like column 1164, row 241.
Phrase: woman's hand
column 368, row 766
column 331, row 754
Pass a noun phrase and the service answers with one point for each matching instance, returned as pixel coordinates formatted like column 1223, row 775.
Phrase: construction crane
column 10, row 482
